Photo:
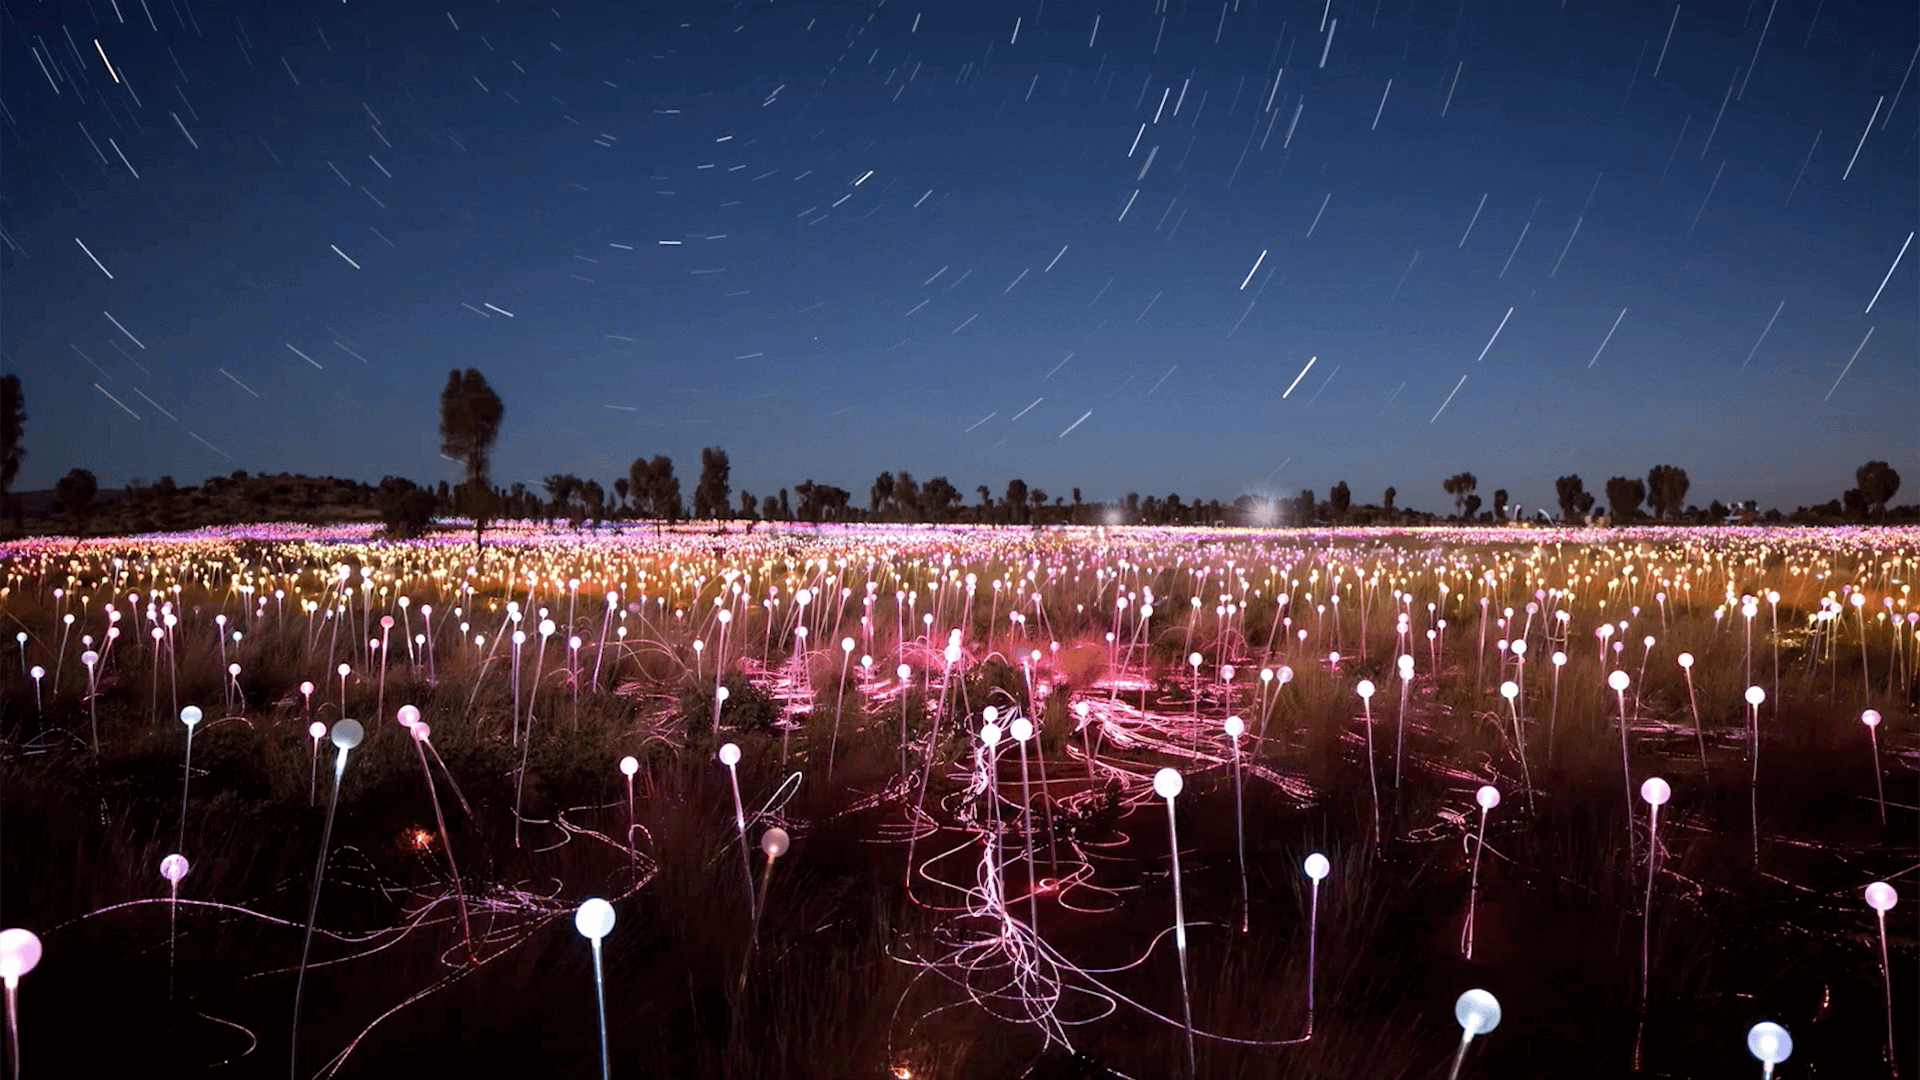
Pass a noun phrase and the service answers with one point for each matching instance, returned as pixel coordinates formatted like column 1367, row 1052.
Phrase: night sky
column 976, row 240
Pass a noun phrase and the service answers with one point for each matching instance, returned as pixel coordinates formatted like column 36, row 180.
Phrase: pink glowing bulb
column 1509, row 690
column 1656, row 791
column 1871, row 717
column 342, row 670
column 1488, row 797
column 1022, row 729
column 173, row 868
column 1881, row 897
column 1618, row 680
column 1686, row 660
column 1755, row 695
column 317, row 730
column 408, row 716
column 386, row 622
column 990, row 734
column 1286, row 674
column 730, row 755
column 775, row 842
column 19, row 953
column 1235, row 727
column 1365, row 689
column 1194, row 659
column 904, row 672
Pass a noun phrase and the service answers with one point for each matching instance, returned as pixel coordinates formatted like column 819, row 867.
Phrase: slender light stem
column 1240, row 837
column 746, row 861
column 1879, row 786
column 1180, row 937
column 1646, row 910
column 1460, row 1055
column 1626, row 776
column 1313, row 941
column 313, row 912
column 1026, row 831
column 1473, row 884
column 1886, row 980
column 13, row 1023
column 1753, row 788
column 186, row 778
column 600, row 1005
column 446, row 841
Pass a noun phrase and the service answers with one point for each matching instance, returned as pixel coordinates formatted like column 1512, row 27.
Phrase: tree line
column 471, row 415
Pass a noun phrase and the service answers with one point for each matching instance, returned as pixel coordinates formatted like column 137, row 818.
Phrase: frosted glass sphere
column 722, row 694
column 1880, row 896
column 1235, row 727
column 1686, row 659
column 89, row 658
column 421, row 732
column 1317, row 866
column 990, row 734
column 1656, row 791
column 594, row 920
column 729, row 755
column 990, row 714
column 347, row 734
column 1769, row 1042
column 1365, row 689
column 1871, row 717
column 173, row 868
column 1477, row 1011
column 306, row 688
column 190, row 715
column 316, row 730
column 1618, row 680
column 408, row 716
column 1488, row 797
column 1022, row 729
column 19, row 953
column 629, row 765
column 775, row 842
column 1755, row 695
column 1167, row 783
column 1509, row 689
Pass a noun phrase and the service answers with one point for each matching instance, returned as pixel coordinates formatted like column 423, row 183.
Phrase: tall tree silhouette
column 1877, row 482
column 1461, row 485
column 880, row 495
column 710, row 495
column 1666, row 489
column 1575, row 500
column 470, row 415
column 1624, row 496
column 1339, row 498
column 12, row 418
column 654, row 489
column 76, row 490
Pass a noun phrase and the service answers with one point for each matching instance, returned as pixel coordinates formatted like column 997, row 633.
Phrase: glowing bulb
column 1235, row 727
column 1022, row 729
column 1656, row 791
column 629, row 765
column 990, row 714
column 1769, row 1042
column 1618, row 680
column 775, row 842
column 1317, row 866
column 1167, row 783
column 19, row 953
column 990, row 734
column 316, row 731
column 173, row 868
column 1488, row 797
column 1880, row 896
column 408, row 716
column 1477, row 1011
column 594, row 919
column 1871, row 718
column 1509, row 690
column 1686, row 660
column 190, row 715
column 1755, row 695
column 1365, row 689
column 347, row 734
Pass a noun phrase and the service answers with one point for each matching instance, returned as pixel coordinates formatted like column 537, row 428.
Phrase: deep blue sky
column 799, row 232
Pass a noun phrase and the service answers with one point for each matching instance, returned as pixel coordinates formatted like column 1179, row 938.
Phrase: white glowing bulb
column 1618, row 680
column 1509, row 690
column 1317, row 866
column 1755, row 695
column 1488, row 797
column 594, row 919
column 1235, row 727
column 729, row 755
column 1881, row 897
column 1167, row 783
column 1656, row 791
column 629, row 765
column 1365, row 689
column 1686, row 659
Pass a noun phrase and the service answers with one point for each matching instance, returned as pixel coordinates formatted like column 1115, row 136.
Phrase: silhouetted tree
column 655, row 490
column 1625, row 496
column 938, row 497
column 880, row 495
column 470, row 415
column 1473, row 506
column 13, row 418
column 1386, row 500
column 786, row 511
column 1877, row 482
column 76, row 490
column 906, row 496
column 1717, row 511
column 710, row 495
column 1855, row 503
column 405, row 507
column 560, row 490
column 1076, row 506
column 1461, row 485
column 1339, row 498
column 986, row 504
column 1305, row 507
column 595, row 498
column 747, row 504
column 1574, row 498
column 621, row 486
column 1666, row 489
column 1016, row 501
column 770, row 508
column 1500, row 504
